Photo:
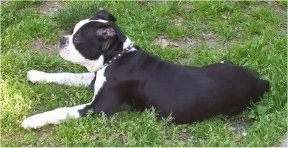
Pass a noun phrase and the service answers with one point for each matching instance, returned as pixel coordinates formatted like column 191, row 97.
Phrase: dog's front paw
column 55, row 116
column 36, row 76
column 34, row 122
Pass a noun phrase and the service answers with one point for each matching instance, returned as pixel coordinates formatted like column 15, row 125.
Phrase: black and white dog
column 125, row 75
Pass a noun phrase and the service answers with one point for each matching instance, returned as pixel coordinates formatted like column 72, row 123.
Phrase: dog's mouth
column 63, row 42
column 63, row 47
column 64, row 53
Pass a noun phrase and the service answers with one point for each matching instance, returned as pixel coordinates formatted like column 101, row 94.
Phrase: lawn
column 251, row 34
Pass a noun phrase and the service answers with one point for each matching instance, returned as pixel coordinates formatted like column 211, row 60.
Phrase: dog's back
column 192, row 94
column 228, row 90
column 258, row 86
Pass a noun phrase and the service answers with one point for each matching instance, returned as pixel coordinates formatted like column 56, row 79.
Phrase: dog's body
column 125, row 75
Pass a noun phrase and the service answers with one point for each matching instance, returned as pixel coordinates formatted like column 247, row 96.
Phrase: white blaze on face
column 83, row 22
column 70, row 53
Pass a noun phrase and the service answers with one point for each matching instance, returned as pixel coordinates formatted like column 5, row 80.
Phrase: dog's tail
column 261, row 87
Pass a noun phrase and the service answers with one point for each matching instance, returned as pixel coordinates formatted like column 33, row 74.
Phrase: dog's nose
column 62, row 40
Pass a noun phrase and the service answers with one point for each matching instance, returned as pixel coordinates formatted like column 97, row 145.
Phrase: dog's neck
column 113, row 47
column 119, row 55
column 114, row 51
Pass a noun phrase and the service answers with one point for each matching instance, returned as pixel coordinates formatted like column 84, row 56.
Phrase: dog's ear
column 106, row 32
column 104, row 15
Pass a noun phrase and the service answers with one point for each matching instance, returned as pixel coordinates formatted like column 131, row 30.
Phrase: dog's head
column 94, row 41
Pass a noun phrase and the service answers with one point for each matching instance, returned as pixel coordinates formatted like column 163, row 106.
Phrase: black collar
column 125, row 50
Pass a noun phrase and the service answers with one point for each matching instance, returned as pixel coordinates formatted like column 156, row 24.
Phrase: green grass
column 255, row 36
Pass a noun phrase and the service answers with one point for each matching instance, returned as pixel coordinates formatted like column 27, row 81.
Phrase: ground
column 252, row 34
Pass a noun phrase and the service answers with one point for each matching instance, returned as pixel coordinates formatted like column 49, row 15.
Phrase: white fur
column 83, row 22
column 52, row 117
column 36, row 76
column 94, row 65
column 71, row 79
column 222, row 62
column 127, row 43
column 70, row 53
column 99, row 82
column 61, row 114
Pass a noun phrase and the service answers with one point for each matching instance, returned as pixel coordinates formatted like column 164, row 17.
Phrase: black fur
column 141, row 81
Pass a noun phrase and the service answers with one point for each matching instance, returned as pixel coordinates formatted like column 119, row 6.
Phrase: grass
column 252, row 34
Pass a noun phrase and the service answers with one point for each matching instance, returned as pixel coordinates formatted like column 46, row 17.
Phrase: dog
column 125, row 75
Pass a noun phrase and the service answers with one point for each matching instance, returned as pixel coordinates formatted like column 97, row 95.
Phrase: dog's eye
column 76, row 39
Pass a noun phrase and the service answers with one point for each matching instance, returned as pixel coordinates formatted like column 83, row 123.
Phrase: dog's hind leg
column 71, row 79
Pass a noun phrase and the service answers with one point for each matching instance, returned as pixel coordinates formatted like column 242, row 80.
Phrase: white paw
column 55, row 116
column 36, row 76
column 34, row 122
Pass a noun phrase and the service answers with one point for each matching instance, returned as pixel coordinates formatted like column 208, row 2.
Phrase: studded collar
column 125, row 50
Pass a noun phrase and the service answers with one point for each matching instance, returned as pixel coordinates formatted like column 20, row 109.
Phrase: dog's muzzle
column 63, row 41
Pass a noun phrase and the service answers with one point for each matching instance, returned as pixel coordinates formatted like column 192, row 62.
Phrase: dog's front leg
column 59, row 115
column 71, row 79
column 55, row 116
